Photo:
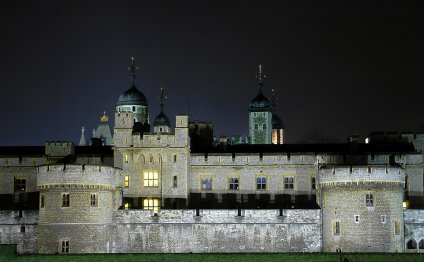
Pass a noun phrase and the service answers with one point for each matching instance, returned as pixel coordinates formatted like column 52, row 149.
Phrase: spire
column 132, row 69
column 260, row 77
column 82, row 142
column 162, row 99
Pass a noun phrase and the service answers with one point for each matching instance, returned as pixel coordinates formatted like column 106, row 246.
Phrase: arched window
column 133, row 109
column 142, row 160
column 421, row 244
column 160, row 159
column 411, row 244
column 151, row 159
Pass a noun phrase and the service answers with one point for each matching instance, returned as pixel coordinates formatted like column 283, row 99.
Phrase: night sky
column 337, row 68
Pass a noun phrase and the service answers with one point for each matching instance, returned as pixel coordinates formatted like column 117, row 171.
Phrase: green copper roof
column 132, row 97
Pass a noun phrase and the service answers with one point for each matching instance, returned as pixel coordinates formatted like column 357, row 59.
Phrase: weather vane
column 260, row 76
column 132, row 69
column 162, row 98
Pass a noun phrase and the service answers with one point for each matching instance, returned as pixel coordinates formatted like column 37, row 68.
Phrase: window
column 151, row 179
column 256, row 126
column 20, row 185
column 22, row 229
column 133, row 109
column 126, row 157
column 288, row 183
column 356, row 218
column 42, row 201
column 264, row 126
column 151, row 159
column 397, row 227
column 127, row 181
column 421, row 244
column 93, row 200
column 64, row 247
column 313, row 183
column 234, row 183
column 206, row 183
column 336, row 228
column 175, row 158
column 175, row 183
column 127, row 205
column 261, row 183
column 151, row 204
column 383, row 219
column 411, row 244
column 65, row 200
column 369, row 200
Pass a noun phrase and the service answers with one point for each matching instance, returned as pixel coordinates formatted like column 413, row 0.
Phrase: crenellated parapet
column 361, row 175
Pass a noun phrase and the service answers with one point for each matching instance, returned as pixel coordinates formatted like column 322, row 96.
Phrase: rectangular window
column 264, row 126
column 64, row 247
column 234, row 183
column 151, row 179
column 127, row 205
column 127, row 181
column 397, row 227
column 175, row 184
column 65, row 200
column 151, row 204
column 336, row 228
column 126, row 158
column 288, row 183
column 256, row 126
column 369, row 200
column 383, row 219
column 93, row 200
column 22, row 229
column 313, row 183
column 175, row 158
column 206, row 183
column 20, row 185
column 260, row 183
column 42, row 201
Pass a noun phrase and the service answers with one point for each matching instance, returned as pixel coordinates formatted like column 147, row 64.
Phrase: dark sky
column 338, row 67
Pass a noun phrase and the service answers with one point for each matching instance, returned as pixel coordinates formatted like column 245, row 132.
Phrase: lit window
column 288, row 183
column 64, row 247
column 127, row 181
column 261, row 183
column 151, row 204
column 206, row 183
column 20, row 185
column 234, row 183
column 126, row 158
column 313, row 183
column 65, row 200
column 369, row 200
column 151, row 179
column 336, row 228
column 93, row 200
column 42, row 201
column 356, row 218
column 126, row 205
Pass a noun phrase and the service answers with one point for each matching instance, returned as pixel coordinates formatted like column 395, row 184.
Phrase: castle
column 171, row 190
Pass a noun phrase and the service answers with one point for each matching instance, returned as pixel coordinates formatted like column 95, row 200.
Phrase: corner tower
column 162, row 123
column 260, row 116
column 133, row 100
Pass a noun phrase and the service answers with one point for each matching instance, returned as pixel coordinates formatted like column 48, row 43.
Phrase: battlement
column 213, row 159
column 124, row 119
column 59, row 148
column 351, row 175
column 77, row 175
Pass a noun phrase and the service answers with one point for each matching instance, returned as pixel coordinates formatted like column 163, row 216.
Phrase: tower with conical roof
column 277, row 123
column 103, row 130
column 260, row 116
column 162, row 123
column 133, row 100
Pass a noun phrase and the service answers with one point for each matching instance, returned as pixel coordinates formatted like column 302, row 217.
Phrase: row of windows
column 263, row 126
column 368, row 199
column 148, row 204
column 151, row 179
column 336, row 225
column 66, row 200
column 412, row 244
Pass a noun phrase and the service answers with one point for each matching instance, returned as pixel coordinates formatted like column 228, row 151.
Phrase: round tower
column 362, row 208
column 76, row 207
column 133, row 100
column 260, row 116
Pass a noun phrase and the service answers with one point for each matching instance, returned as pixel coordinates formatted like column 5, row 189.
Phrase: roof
column 161, row 120
column 260, row 103
column 132, row 97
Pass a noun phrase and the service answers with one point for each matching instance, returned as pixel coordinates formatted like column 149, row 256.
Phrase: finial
column 274, row 98
column 260, row 77
column 104, row 118
column 132, row 69
column 162, row 98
